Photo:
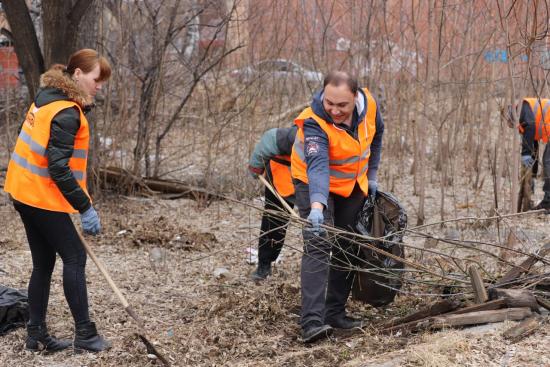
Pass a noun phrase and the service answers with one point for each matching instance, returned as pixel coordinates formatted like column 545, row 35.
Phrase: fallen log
column 479, row 317
column 434, row 309
column 122, row 178
column 524, row 267
column 515, row 297
column 525, row 328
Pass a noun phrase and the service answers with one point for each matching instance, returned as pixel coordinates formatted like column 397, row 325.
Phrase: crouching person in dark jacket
column 271, row 156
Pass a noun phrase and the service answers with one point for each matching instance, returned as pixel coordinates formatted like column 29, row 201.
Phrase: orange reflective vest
column 541, row 110
column 27, row 179
column 280, row 172
column 348, row 157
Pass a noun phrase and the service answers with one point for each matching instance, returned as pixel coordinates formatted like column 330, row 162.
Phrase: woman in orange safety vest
column 46, row 180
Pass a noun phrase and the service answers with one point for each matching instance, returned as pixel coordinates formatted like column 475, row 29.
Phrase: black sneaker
column 315, row 332
column 38, row 339
column 262, row 272
column 344, row 322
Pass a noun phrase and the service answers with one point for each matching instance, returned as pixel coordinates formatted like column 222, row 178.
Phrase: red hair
column 86, row 60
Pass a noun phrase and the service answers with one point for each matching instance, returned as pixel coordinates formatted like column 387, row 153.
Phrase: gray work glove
column 373, row 187
column 90, row 221
column 527, row 161
column 316, row 218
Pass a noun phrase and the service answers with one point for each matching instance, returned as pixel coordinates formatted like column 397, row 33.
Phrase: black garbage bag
column 380, row 278
column 14, row 309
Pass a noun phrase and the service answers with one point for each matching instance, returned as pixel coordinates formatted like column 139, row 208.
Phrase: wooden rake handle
column 109, row 280
column 283, row 201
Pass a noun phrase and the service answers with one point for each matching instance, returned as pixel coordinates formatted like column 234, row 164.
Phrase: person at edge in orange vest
column 46, row 180
column 271, row 156
column 334, row 167
column 534, row 126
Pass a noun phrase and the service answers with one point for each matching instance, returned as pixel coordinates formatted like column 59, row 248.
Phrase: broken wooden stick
column 409, row 327
column 480, row 293
column 525, row 266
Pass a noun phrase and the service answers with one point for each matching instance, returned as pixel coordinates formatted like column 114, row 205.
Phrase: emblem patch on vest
column 29, row 120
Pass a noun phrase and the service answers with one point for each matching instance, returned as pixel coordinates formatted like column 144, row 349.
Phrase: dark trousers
column 273, row 229
column 327, row 280
column 50, row 233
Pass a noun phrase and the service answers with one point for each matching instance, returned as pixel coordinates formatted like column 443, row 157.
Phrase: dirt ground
column 167, row 255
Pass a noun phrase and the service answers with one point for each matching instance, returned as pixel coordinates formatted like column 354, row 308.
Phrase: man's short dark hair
column 338, row 78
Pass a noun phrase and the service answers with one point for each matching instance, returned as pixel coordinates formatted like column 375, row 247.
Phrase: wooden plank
column 423, row 323
column 525, row 328
column 517, row 271
column 480, row 293
column 480, row 317
column 490, row 305
column 515, row 297
column 434, row 309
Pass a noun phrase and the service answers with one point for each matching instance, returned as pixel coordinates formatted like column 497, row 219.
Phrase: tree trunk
column 25, row 42
column 61, row 20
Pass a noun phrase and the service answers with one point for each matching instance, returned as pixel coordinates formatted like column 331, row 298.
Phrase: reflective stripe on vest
column 27, row 178
column 541, row 111
column 299, row 148
column 38, row 149
column 78, row 175
column 348, row 157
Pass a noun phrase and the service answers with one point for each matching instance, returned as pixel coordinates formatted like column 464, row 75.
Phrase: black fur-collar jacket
column 54, row 86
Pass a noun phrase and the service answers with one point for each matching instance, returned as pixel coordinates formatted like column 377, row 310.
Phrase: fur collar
column 59, row 80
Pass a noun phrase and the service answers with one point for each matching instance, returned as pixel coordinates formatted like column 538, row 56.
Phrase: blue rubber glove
column 90, row 221
column 373, row 187
column 316, row 218
column 527, row 161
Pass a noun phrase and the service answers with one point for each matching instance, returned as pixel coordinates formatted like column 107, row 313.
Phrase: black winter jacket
column 56, row 86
